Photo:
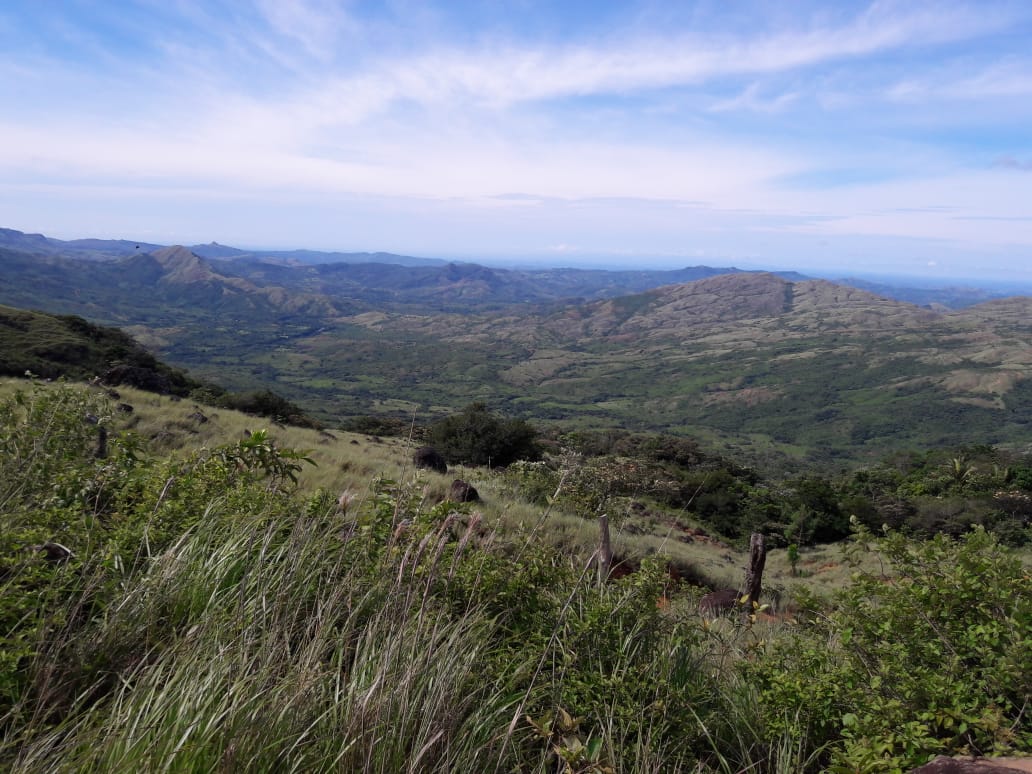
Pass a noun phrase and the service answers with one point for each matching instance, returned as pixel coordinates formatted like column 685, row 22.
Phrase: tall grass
column 272, row 645
column 291, row 642
column 215, row 619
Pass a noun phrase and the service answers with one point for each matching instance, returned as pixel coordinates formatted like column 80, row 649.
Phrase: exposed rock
column 717, row 603
column 197, row 417
column 462, row 492
column 125, row 408
column 429, row 458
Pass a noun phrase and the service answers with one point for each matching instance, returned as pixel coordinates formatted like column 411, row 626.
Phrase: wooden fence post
column 605, row 549
column 754, row 576
column 101, row 450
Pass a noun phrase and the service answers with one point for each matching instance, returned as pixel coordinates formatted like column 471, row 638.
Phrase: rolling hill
column 769, row 364
column 810, row 367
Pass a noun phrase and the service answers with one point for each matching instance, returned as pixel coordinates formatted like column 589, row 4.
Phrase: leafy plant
column 934, row 657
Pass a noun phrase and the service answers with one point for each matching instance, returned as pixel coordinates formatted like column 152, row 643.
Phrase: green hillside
column 197, row 598
column 804, row 371
column 52, row 346
column 790, row 372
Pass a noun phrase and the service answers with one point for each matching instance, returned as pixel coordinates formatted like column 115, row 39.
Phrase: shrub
column 935, row 658
column 266, row 403
column 477, row 437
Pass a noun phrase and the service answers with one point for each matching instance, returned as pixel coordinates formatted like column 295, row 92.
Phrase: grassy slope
column 255, row 630
column 349, row 462
column 50, row 346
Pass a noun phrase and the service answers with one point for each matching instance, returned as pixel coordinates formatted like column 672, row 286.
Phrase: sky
column 850, row 137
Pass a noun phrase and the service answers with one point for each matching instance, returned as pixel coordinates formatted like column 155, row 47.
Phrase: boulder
column 944, row 765
column 717, row 603
column 54, row 552
column 429, row 458
column 462, row 492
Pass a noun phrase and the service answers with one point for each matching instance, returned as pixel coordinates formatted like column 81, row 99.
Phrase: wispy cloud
column 752, row 99
column 806, row 120
column 318, row 26
column 1012, row 78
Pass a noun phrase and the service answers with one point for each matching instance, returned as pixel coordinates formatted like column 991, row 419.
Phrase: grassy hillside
column 353, row 463
column 51, row 346
column 809, row 370
column 181, row 602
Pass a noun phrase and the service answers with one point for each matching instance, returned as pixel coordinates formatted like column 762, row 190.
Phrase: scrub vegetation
column 178, row 594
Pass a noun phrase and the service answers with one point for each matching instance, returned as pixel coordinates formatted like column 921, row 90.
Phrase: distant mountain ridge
column 112, row 249
column 82, row 249
column 448, row 284
column 808, row 367
column 182, row 275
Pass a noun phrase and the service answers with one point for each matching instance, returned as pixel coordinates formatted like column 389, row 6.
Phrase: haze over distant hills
column 112, row 249
column 804, row 367
column 507, row 285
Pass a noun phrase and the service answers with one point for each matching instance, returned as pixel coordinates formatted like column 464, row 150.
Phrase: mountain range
column 774, row 365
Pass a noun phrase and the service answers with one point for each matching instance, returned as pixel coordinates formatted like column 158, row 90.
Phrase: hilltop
column 52, row 346
column 70, row 348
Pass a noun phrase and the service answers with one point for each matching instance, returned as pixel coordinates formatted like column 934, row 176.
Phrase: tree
column 477, row 437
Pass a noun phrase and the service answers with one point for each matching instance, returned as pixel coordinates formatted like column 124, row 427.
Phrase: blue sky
column 891, row 137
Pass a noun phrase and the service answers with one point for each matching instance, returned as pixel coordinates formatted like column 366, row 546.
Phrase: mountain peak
column 181, row 265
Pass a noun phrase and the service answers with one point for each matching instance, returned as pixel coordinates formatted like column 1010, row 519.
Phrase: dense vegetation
column 200, row 612
column 478, row 437
column 920, row 494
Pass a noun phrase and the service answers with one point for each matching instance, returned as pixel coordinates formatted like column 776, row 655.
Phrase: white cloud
column 1008, row 79
column 317, row 25
column 751, row 99
column 640, row 136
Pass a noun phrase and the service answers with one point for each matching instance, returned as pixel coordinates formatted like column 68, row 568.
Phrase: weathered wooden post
column 754, row 575
column 605, row 549
column 101, row 450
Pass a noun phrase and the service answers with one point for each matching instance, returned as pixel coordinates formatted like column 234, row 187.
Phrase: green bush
column 266, row 403
column 477, row 437
column 933, row 658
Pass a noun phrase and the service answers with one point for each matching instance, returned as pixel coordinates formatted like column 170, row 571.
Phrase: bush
column 934, row 659
column 478, row 437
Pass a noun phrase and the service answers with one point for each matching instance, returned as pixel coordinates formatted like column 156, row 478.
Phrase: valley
column 783, row 369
